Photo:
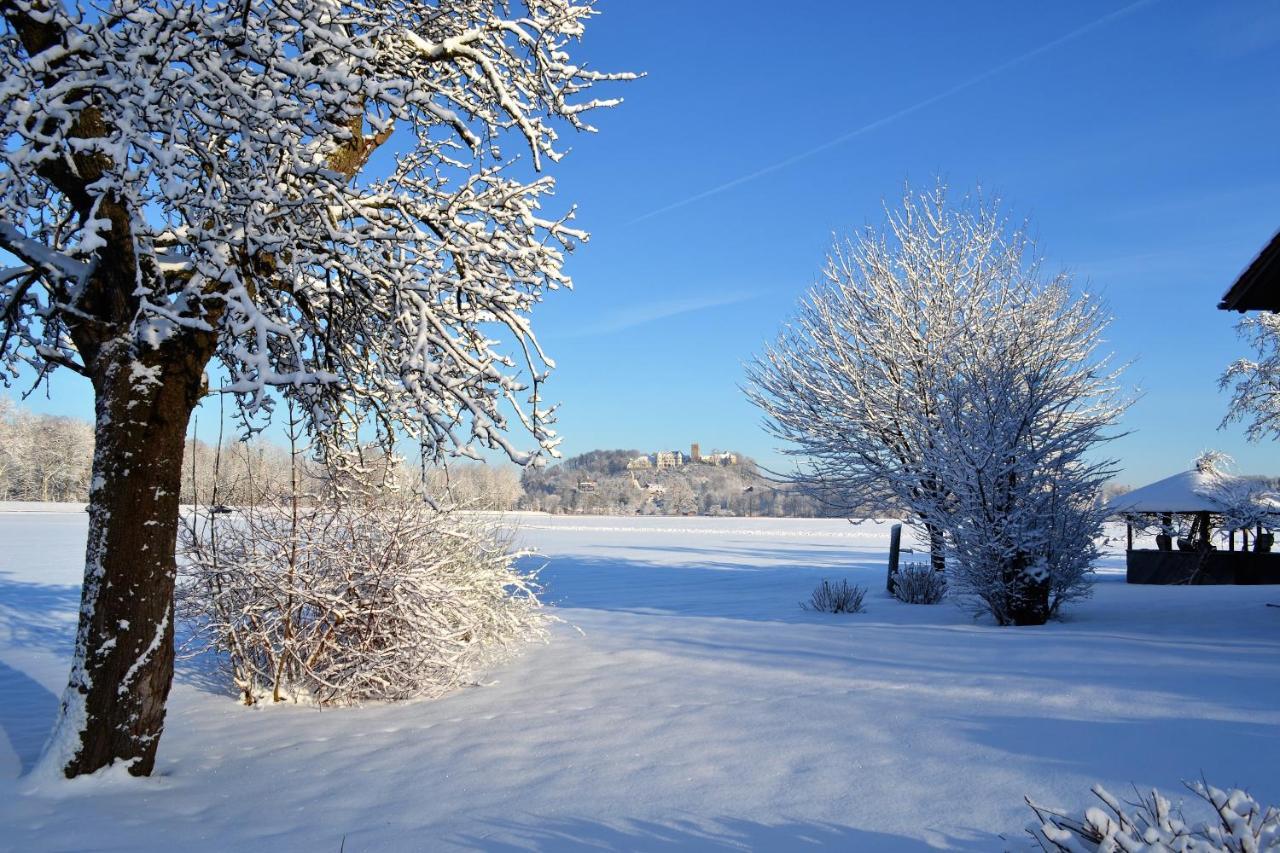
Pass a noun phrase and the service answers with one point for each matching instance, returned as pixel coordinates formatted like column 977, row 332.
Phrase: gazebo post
column 1231, row 540
column 1128, row 526
column 1204, row 528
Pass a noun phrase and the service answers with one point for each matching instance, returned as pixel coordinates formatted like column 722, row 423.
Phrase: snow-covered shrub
column 835, row 598
column 1239, row 825
column 1019, row 433
column 919, row 584
column 345, row 603
column 1021, row 556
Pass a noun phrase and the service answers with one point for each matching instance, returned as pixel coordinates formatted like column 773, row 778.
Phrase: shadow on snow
column 579, row 835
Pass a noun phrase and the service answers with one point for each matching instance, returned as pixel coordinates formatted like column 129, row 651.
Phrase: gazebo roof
column 1190, row 491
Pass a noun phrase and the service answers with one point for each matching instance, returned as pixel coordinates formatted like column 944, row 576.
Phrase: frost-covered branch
column 1153, row 823
column 217, row 167
column 1255, row 382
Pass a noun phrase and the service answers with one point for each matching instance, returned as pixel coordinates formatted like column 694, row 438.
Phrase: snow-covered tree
column 679, row 498
column 474, row 486
column 43, row 457
column 1247, row 503
column 1255, row 382
column 323, row 197
column 851, row 385
column 934, row 368
column 1021, row 419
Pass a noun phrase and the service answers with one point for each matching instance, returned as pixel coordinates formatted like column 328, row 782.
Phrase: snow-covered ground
column 687, row 704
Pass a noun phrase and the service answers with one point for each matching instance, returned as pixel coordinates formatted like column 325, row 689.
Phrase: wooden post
column 1128, row 527
column 1231, row 540
column 895, row 547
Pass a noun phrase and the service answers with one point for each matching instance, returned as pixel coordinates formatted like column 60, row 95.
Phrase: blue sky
column 1141, row 140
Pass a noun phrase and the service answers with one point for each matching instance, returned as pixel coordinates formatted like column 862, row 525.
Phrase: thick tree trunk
column 1028, row 599
column 937, row 548
column 114, row 706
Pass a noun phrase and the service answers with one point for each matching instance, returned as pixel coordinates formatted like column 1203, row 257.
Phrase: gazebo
column 1196, row 503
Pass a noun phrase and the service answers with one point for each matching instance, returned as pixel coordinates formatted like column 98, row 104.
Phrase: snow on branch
column 1254, row 383
column 214, row 166
column 1153, row 823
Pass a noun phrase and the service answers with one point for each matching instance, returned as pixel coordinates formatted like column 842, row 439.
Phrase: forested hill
column 600, row 482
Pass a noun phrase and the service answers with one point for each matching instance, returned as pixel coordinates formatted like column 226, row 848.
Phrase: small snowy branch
column 204, row 175
column 1153, row 823
column 1254, row 383
column 53, row 264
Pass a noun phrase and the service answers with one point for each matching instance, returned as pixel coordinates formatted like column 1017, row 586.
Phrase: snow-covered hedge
column 349, row 603
column 840, row 597
column 919, row 584
column 1154, row 825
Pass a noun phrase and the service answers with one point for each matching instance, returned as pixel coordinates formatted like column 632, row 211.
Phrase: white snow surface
column 688, row 703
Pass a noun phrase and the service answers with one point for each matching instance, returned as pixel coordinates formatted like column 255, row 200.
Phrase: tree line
column 50, row 458
column 43, row 457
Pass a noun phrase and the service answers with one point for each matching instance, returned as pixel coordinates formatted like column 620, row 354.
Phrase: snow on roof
column 1190, row 491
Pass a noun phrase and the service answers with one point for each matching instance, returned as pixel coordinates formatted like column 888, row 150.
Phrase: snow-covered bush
column 1154, row 825
column 839, row 597
column 1018, row 432
column 919, row 584
column 346, row 603
column 1026, row 555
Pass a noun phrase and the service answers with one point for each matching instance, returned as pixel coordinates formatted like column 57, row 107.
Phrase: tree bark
column 937, row 548
column 1028, row 601
column 114, row 706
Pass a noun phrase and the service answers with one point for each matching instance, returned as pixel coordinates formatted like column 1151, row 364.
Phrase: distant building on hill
column 668, row 459
column 724, row 458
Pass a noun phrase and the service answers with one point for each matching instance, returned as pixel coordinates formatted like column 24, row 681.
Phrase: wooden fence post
column 895, row 547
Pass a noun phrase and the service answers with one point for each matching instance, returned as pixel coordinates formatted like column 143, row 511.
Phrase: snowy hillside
column 687, row 703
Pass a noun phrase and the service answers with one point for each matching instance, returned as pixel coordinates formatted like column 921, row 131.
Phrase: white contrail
column 906, row 111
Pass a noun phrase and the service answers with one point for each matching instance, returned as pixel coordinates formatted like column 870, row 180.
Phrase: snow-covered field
column 687, row 704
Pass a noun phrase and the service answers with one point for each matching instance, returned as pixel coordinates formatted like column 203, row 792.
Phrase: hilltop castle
column 664, row 459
